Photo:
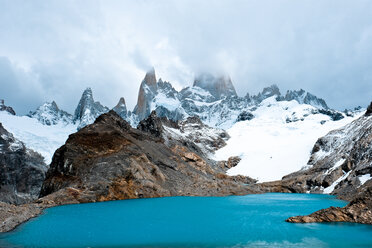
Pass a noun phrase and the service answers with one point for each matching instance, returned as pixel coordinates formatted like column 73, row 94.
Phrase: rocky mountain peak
column 150, row 78
column 121, row 108
column 113, row 119
column 271, row 91
column 8, row 109
column 88, row 110
column 147, row 92
column 303, row 97
column 50, row 114
column 217, row 86
column 154, row 124
column 267, row 92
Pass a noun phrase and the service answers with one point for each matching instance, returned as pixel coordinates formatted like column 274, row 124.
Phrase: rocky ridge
column 211, row 98
column 49, row 114
column 8, row 109
column 22, row 171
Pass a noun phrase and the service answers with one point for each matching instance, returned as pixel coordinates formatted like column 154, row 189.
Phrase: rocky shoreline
column 358, row 210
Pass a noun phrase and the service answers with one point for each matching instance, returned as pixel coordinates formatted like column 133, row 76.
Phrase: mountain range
column 201, row 140
column 212, row 98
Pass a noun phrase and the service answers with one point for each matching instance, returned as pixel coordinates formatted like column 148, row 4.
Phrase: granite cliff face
column 109, row 160
column 22, row 170
column 147, row 92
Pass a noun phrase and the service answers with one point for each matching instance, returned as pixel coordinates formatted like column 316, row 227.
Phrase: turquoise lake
column 233, row 221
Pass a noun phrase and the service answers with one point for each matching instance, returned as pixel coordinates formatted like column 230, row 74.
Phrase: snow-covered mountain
column 121, row 108
column 340, row 161
column 50, row 114
column 88, row 110
column 42, row 138
column 213, row 99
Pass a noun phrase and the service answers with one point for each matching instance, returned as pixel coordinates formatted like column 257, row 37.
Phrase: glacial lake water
column 233, row 221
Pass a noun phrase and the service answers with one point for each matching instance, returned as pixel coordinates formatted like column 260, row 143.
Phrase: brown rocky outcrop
column 109, row 160
column 358, row 210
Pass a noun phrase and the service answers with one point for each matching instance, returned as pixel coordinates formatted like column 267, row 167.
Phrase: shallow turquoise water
column 234, row 221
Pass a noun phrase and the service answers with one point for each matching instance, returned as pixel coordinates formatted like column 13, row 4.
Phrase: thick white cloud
column 52, row 50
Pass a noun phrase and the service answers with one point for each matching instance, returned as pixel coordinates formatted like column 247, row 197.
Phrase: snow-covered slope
column 278, row 140
column 41, row 138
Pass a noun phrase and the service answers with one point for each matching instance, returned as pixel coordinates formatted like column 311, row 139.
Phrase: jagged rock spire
column 121, row 108
column 88, row 110
column 146, row 93
column 219, row 87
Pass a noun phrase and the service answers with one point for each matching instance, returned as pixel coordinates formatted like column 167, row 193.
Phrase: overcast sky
column 52, row 50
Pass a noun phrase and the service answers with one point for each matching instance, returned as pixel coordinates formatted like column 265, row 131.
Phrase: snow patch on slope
column 364, row 178
column 41, row 138
column 269, row 146
column 330, row 188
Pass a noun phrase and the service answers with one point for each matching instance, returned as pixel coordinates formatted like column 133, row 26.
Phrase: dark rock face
column 245, row 116
column 88, row 110
column 155, row 125
column 218, row 87
column 50, row 114
column 109, row 160
column 8, row 109
column 267, row 92
column 22, row 170
column 335, row 116
column 369, row 110
column 197, row 136
column 121, row 108
column 302, row 96
column 359, row 210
